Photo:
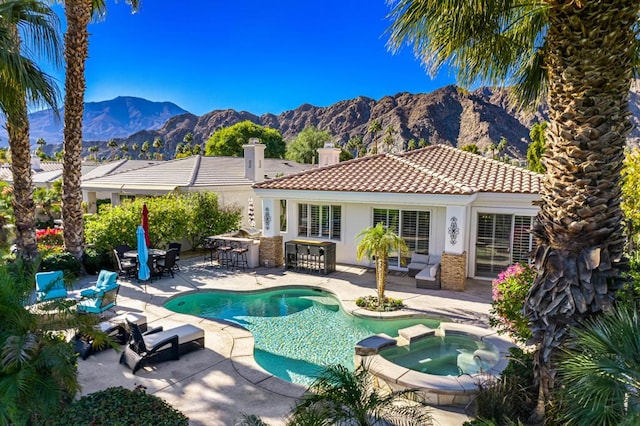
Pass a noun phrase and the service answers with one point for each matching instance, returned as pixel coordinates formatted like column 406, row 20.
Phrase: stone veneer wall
column 271, row 251
column 453, row 271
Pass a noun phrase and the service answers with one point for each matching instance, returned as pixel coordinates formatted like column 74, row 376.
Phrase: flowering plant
column 49, row 237
column 509, row 292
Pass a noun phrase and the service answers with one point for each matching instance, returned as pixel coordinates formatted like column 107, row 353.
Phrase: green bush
column 509, row 292
column 119, row 406
column 171, row 218
column 511, row 399
column 95, row 259
column 370, row 303
column 63, row 261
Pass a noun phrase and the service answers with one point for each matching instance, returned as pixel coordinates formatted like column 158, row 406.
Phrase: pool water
column 297, row 332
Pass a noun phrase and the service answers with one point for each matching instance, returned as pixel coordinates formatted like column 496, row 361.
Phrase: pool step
column 323, row 300
column 415, row 332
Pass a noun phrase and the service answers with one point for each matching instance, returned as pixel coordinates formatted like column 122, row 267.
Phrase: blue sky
column 249, row 55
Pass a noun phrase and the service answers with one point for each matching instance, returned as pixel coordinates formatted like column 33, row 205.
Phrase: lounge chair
column 105, row 280
column 50, row 285
column 100, row 301
column 157, row 345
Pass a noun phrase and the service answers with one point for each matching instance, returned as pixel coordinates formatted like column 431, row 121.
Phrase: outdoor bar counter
column 310, row 256
column 253, row 255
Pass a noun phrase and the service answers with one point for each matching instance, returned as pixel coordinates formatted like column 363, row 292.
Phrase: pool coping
column 435, row 389
column 439, row 390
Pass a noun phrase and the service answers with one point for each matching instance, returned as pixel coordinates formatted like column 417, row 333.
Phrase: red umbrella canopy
column 145, row 224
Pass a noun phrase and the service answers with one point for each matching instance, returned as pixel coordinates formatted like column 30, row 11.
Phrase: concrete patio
column 215, row 386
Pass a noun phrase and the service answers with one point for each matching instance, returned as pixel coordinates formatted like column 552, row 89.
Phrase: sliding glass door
column 501, row 240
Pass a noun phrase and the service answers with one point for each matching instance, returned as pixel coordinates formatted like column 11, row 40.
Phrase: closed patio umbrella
column 143, row 255
column 145, row 224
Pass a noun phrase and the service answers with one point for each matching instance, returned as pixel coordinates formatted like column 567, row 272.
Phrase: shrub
column 370, row 303
column 95, row 259
column 510, row 399
column 172, row 217
column 120, row 406
column 509, row 292
column 63, row 261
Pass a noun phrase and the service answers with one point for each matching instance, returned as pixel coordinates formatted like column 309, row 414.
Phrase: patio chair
column 50, row 285
column 126, row 267
column 158, row 345
column 105, row 280
column 177, row 246
column 101, row 301
column 167, row 263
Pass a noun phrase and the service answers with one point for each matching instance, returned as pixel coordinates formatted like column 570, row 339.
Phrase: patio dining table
column 155, row 253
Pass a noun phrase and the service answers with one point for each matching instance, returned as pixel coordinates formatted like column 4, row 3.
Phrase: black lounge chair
column 157, row 345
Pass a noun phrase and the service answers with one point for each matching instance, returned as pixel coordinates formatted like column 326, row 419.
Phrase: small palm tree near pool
column 340, row 396
column 376, row 243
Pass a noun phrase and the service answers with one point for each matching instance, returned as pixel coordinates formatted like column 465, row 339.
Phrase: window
column 283, row 215
column 323, row 221
column 411, row 225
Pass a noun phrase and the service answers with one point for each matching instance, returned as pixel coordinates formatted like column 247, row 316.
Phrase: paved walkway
column 216, row 385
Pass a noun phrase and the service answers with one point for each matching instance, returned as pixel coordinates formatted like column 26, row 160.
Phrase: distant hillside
column 448, row 115
column 117, row 118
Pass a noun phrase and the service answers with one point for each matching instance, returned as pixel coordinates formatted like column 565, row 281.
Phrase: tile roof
column 436, row 169
column 194, row 171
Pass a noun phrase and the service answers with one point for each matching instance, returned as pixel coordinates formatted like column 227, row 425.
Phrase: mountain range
column 449, row 115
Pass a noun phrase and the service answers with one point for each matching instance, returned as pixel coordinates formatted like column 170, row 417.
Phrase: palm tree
column 78, row 14
column 157, row 146
column 376, row 243
column 144, row 149
column 93, row 149
column 374, row 128
column 581, row 57
column 601, row 370
column 340, row 396
column 23, row 83
column 112, row 144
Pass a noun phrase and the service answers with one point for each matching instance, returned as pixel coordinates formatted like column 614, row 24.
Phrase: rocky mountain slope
column 448, row 115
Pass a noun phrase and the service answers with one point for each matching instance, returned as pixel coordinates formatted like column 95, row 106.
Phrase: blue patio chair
column 105, row 280
column 50, row 285
column 101, row 301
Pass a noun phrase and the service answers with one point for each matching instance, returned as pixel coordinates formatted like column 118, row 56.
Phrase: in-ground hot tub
column 445, row 364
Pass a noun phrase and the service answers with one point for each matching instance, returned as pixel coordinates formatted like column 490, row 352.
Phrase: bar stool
column 225, row 257
column 315, row 258
column 239, row 253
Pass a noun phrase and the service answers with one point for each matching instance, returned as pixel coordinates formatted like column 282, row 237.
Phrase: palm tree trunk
column 78, row 14
column 24, row 208
column 382, row 264
column 579, row 233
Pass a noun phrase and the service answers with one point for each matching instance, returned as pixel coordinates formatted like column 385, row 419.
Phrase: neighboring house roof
column 117, row 167
column 436, row 169
column 194, row 171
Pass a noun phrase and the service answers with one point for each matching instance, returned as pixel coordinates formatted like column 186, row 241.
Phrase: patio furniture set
column 142, row 346
column 160, row 262
column 228, row 252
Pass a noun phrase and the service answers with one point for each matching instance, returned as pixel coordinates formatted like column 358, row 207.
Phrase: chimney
column 329, row 155
column 35, row 163
column 254, row 160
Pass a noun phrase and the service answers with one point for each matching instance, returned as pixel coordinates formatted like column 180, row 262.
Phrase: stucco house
column 229, row 177
column 473, row 211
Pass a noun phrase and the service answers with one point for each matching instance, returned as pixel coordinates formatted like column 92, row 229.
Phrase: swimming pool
column 297, row 331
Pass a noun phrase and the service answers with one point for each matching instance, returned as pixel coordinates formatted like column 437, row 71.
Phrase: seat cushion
column 186, row 333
